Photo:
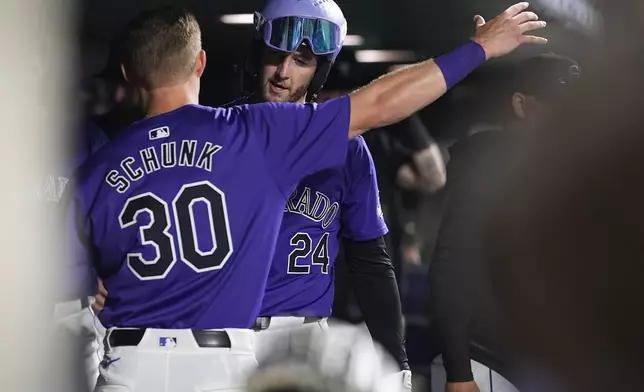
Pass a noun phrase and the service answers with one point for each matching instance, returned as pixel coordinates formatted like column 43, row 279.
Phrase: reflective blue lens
column 286, row 34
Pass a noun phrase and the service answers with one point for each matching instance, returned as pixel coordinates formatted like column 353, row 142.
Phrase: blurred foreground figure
column 342, row 359
column 35, row 115
column 466, row 320
column 568, row 251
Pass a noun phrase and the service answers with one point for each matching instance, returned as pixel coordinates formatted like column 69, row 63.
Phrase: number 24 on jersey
column 319, row 256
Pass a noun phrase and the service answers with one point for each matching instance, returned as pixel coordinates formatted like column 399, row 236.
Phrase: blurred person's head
column 341, row 359
column 296, row 44
column 113, row 104
column 95, row 97
column 567, row 236
column 122, row 96
column 537, row 83
column 162, row 54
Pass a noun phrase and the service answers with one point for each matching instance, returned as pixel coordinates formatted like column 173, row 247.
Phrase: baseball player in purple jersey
column 180, row 214
column 329, row 207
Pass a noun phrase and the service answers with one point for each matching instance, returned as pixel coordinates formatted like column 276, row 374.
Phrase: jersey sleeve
column 362, row 217
column 300, row 139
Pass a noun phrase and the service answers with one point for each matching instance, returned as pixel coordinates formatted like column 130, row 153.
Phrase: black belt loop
column 311, row 320
column 212, row 339
column 125, row 337
column 261, row 324
column 132, row 337
column 106, row 340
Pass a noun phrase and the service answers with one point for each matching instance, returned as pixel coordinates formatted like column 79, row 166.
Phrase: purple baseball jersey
column 181, row 213
column 325, row 206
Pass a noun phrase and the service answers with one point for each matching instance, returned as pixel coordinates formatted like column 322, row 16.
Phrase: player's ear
column 518, row 105
column 124, row 73
column 200, row 63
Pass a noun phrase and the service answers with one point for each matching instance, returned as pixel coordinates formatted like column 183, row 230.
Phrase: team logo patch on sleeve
column 159, row 133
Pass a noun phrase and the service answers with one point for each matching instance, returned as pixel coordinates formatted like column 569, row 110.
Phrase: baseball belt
column 262, row 323
column 132, row 337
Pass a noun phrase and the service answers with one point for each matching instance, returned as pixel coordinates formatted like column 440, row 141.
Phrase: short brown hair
column 160, row 47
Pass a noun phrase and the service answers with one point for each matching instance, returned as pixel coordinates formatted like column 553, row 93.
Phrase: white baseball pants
column 172, row 361
column 80, row 324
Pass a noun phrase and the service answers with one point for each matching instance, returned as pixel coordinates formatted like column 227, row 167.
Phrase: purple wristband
column 460, row 62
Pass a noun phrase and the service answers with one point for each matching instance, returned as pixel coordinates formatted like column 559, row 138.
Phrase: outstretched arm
column 401, row 93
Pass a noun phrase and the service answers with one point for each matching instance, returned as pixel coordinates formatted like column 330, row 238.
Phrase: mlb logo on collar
column 159, row 133
column 165, row 341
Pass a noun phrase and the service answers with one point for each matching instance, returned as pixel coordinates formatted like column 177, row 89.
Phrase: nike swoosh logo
column 107, row 362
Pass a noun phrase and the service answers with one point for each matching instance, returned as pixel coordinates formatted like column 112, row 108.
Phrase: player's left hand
column 99, row 299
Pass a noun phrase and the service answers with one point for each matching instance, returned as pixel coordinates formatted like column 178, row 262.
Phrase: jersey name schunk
column 190, row 153
column 319, row 209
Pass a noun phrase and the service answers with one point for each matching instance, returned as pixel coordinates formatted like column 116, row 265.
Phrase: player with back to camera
column 180, row 214
column 330, row 206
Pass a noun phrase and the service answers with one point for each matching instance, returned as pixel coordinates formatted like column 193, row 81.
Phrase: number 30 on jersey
column 157, row 232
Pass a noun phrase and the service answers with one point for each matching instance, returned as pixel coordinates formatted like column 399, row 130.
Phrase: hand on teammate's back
column 99, row 299
column 505, row 32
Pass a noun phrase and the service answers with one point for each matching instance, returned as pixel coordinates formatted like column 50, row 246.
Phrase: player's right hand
column 99, row 299
column 505, row 32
